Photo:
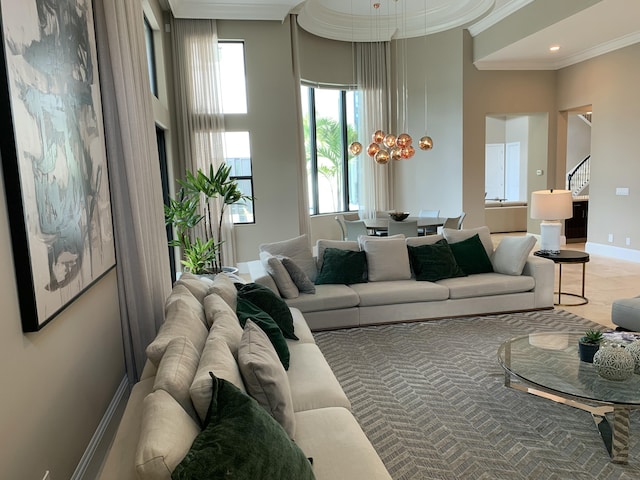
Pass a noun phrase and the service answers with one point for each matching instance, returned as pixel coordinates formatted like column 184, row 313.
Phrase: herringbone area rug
column 431, row 398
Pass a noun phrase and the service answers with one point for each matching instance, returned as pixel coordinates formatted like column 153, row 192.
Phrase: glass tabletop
column 551, row 361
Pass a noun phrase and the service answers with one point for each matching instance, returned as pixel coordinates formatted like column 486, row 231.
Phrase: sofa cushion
column 166, row 436
column 434, row 262
column 399, row 291
column 180, row 321
column 298, row 250
column 453, row 236
column 486, row 284
column 274, row 267
column 225, row 287
column 248, row 311
column 242, row 441
column 424, row 240
column 313, row 383
column 471, row 256
column 387, row 259
column 322, row 245
column 512, row 253
column 327, row 297
column 183, row 293
column 197, row 285
column 264, row 376
column 217, row 358
column 302, row 281
column 176, row 372
column 301, row 328
column 342, row 267
column 333, row 438
column 223, row 321
column 265, row 299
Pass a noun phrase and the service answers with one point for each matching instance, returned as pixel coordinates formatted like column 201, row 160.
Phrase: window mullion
column 314, row 151
column 345, row 146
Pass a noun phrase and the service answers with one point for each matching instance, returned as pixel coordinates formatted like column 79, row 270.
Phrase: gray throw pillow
column 274, row 267
column 298, row 276
column 297, row 249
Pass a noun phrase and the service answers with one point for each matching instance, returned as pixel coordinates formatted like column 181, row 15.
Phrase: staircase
column 579, row 176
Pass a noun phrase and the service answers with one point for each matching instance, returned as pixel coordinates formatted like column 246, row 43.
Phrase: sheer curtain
column 200, row 121
column 144, row 278
column 373, row 80
column 303, row 186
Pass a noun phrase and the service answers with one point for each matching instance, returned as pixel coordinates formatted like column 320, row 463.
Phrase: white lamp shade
column 551, row 204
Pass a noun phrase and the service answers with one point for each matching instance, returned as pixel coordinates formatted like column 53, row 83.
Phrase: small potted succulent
column 589, row 344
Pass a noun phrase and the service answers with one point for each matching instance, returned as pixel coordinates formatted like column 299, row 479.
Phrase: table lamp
column 550, row 206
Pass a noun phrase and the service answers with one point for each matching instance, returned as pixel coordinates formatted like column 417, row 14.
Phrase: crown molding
column 231, row 10
column 497, row 15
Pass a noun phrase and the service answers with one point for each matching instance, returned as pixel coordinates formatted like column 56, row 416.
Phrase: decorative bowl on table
column 398, row 216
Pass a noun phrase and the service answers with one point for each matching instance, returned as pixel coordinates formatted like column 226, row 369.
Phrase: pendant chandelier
column 389, row 146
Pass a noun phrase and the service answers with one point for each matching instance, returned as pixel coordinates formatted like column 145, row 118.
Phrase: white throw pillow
column 274, row 267
column 298, row 250
column 176, row 371
column 387, row 259
column 223, row 321
column 224, row 286
column 322, row 245
column 265, row 377
column 454, row 236
column 198, row 286
column 511, row 254
column 425, row 240
column 183, row 293
column 166, row 435
column 217, row 358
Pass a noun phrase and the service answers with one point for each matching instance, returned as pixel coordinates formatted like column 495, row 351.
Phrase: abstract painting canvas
column 53, row 154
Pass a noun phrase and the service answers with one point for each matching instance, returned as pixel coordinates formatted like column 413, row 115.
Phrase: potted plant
column 194, row 205
column 589, row 344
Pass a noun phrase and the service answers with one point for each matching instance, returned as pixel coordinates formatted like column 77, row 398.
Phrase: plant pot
column 587, row 351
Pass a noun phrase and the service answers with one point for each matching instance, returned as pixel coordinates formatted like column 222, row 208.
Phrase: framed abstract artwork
column 53, row 154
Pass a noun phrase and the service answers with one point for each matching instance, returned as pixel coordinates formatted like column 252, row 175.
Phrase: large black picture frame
column 53, row 154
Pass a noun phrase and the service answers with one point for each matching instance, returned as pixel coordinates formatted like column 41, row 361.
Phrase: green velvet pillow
column 241, row 441
column 471, row 256
column 434, row 262
column 265, row 299
column 342, row 266
column 246, row 310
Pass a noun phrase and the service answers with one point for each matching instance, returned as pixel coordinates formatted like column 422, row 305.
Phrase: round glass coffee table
column 547, row 365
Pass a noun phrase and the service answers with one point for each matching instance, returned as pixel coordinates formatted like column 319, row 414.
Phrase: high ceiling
column 594, row 28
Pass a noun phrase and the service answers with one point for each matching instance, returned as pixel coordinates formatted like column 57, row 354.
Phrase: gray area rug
column 431, row 398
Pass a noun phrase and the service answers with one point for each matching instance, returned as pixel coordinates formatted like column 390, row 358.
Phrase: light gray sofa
column 505, row 216
column 625, row 313
column 163, row 413
column 528, row 285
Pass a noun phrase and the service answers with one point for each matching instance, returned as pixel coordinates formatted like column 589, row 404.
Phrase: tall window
column 237, row 153
column 151, row 57
column 330, row 125
column 233, row 81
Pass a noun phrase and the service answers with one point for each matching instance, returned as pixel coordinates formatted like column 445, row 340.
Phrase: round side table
column 566, row 257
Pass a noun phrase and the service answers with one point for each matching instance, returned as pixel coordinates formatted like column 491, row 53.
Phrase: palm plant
column 194, row 204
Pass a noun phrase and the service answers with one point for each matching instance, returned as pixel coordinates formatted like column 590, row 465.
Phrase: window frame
column 151, row 57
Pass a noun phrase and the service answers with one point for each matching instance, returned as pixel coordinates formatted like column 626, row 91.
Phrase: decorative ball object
column 398, row 216
column 355, row 148
column 390, row 140
column 426, row 143
column 634, row 350
column 378, row 136
column 403, row 140
column 372, row 149
column 613, row 362
column 382, row 157
column 396, row 153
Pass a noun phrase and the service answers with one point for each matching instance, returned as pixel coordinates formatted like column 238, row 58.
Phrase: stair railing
column 579, row 176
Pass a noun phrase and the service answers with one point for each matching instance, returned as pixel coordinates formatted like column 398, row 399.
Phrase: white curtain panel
column 373, row 80
column 144, row 278
column 200, row 121
column 303, row 187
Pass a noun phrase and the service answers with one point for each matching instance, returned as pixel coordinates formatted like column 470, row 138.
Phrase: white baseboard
column 620, row 253
column 95, row 453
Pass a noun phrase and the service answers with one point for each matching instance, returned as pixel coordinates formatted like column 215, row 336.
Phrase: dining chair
column 340, row 219
column 431, row 229
column 407, row 227
column 355, row 228
column 454, row 222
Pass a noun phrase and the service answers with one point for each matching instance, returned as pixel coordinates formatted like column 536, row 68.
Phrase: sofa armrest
column 259, row 274
column 542, row 270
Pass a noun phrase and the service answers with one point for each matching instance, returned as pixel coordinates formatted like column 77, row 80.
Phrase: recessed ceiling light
column 554, row 48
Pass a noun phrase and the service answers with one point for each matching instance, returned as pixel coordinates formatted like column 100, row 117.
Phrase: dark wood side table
column 565, row 257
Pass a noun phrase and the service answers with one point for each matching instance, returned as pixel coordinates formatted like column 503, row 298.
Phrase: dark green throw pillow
column 241, row 441
column 471, row 256
column 246, row 309
column 342, row 266
column 265, row 299
column 434, row 262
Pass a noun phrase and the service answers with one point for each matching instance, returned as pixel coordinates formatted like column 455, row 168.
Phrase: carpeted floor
column 431, row 398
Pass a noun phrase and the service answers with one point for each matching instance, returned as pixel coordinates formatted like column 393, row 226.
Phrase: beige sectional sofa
column 519, row 282
column 201, row 334
column 505, row 216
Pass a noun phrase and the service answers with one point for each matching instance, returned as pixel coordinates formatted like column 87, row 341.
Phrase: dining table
column 381, row 224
